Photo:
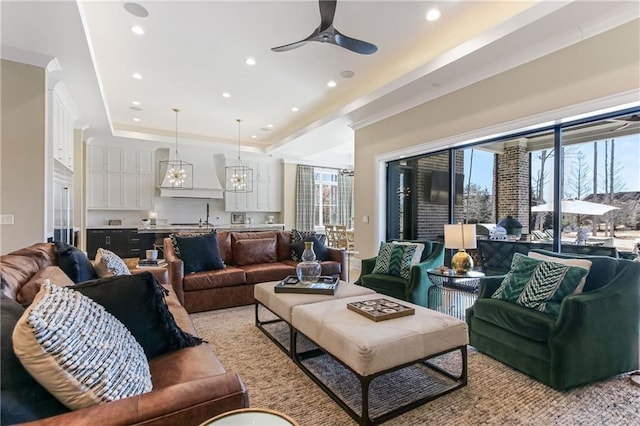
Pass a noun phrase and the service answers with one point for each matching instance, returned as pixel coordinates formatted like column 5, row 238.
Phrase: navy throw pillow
column 138, row 302
column 23, row 398
column 320, row 249
column 199, row 253
column 74, row 263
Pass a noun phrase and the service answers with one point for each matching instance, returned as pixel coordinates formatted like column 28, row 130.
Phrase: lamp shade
column 460, row 236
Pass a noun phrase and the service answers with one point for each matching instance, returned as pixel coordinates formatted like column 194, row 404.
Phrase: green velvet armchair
column 414, row 290
column 594, row 337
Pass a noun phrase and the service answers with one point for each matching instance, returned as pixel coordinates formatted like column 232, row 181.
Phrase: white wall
column 23, row 155
column 573, row 79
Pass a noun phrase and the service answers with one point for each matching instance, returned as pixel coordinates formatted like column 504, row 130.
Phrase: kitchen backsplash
column 174, row 210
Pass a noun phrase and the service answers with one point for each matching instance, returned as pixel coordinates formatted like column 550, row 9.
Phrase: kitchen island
column 128, row 241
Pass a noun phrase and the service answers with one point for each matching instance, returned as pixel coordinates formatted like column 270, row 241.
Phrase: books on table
column 146, row 263
column 291, row 284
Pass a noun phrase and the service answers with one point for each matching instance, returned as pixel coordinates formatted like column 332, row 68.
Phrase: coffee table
column 370, row 349
column 281, row 304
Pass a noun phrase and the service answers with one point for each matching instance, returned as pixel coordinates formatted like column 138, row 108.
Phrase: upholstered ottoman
column 371, row 349
column 281, row 303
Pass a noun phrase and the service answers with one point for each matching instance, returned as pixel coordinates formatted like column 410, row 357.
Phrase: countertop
column 195, row 228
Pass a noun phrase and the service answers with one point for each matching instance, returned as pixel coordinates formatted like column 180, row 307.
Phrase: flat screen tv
column 439, row 187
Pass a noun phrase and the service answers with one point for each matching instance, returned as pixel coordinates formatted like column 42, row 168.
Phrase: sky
column 627, row 162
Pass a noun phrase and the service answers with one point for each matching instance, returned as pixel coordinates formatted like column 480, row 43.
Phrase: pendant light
column 238, row 177
column 176, row 173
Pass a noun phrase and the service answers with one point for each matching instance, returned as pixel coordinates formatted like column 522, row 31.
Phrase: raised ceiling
column 193, row 52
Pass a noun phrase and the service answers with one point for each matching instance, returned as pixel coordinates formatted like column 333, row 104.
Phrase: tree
column 478, row 205
column 577, row 183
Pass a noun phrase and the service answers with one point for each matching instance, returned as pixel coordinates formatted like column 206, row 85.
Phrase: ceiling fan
column 327, row 33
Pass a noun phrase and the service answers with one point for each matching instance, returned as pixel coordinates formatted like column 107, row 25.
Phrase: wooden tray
column 380, row 309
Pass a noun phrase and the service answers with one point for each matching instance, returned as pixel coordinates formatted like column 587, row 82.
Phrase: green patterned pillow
column 538, row 284
column 394, row 259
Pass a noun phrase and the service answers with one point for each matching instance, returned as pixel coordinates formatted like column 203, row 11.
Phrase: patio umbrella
column 577, row 207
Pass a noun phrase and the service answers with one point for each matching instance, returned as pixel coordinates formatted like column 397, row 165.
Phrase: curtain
column 304, row 198
column 345, row 200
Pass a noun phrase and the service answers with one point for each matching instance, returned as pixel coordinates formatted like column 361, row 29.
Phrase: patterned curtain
column 304, row 198
column 345, row 200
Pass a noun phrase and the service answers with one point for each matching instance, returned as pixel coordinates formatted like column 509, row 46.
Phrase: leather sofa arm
column 339, row 255
column 176, row 269
column 185, row 403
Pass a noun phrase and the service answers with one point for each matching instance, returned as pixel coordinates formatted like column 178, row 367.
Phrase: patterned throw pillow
column 538, row 284
column 108, row 264
column 297, row 236
column 394, row 259
column 78, row 351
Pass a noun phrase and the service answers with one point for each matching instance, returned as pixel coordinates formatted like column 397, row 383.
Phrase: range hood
column 206, row 171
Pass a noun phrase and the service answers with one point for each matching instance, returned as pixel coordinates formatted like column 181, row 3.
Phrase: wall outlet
column 6, row 219
column 365, row 219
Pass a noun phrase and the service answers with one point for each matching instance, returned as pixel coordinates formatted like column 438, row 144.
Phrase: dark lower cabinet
column 125, row 242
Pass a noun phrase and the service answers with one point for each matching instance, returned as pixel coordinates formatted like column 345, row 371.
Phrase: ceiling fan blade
column 327, row 12
column 296, row 44
column 290, row 46
column 355, row 45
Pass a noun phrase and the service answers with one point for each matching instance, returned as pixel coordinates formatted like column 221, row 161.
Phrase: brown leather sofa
column 190, row 385
column 246, row 263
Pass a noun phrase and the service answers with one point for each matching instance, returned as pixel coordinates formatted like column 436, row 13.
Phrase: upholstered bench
column 371, row 349
column 281, row 304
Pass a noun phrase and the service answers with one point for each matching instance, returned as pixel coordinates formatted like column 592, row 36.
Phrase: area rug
column 495, row 394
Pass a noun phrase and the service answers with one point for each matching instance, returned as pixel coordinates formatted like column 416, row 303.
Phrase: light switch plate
column 6, row 219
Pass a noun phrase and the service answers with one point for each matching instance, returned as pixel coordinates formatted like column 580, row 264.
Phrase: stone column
column 513, row 183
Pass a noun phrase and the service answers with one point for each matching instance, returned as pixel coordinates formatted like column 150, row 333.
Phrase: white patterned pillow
column 108, row 264
column 78, row 351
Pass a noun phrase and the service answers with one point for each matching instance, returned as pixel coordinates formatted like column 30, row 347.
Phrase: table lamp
column 461, row 237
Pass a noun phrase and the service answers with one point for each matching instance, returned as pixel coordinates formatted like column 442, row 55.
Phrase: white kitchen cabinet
column 267, row 190
column 62, row 116
column 120, row 178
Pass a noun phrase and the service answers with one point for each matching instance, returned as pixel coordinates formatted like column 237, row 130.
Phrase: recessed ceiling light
column 294, row 109
column 250, row 61
column 433, row 14
column 136, row 119
column 347, row 74
column 137, row 76
column 137, row 103
column 136, row 29
column 253, row 136
column 226, row 95
column 331, row 84
column 136, row 10
column 135, row 108
column 270, row 126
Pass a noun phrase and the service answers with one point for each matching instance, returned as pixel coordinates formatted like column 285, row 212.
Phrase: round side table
column 251, row 416
column 453, row 293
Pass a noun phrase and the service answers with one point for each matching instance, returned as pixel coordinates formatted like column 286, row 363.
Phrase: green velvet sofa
column 594, row 337
column 414, row 290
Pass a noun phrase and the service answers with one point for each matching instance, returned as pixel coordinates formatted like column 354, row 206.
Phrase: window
column 325, row 195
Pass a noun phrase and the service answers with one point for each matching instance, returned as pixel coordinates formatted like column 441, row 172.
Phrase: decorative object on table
column 153, row 217
column 309, row 269
column 461, row 237
column 151, row 254
column 380, row 309
column 322, row 285
column 238, row 218
column 174, row 172
column 269, row 220
column 145, row 222
column 239, row 177
column 512, row 226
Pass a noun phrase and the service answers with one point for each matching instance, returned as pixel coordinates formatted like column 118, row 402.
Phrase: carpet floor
column 495, row 394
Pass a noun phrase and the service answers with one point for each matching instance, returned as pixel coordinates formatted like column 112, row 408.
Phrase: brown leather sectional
column 190, row 385
column 250, row 258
